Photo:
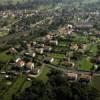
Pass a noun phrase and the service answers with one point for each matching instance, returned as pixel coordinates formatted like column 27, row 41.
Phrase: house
column 32, row 54
column 49, row 37
column 53, row 42
column 34, row 43
column 12, row 50
column 47, row 49
column 48, row 60
column 85, row 78
column 17, row 59
column 20, row 63
column 83, row 25
column 35, row 71
column 98, row 34
column 95, row 67
column 28, row 79
column 66, row 30
column 39, row 45
column 70, row 26
column 83, row 46
column 22, row 52
column 71, row 76
column 28, row 46
column 66, row 59
column 74, row 46
column 2, row 72
column 68, row 64
column 98, row 59
column 30, row 66
column 39, row 50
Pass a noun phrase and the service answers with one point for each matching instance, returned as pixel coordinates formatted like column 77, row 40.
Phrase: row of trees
column 57, row 88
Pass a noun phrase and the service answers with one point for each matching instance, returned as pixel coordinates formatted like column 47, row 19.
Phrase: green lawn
column 43, row 75
column 80, row 39
column 93, row 49
column 54, row 55
column 56, row 62
column 4, row 57
column 63, row 43
column 84, row 64
column 14, row 88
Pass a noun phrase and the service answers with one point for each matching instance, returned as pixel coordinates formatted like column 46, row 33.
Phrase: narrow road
column 69, row 70
column 42, row 21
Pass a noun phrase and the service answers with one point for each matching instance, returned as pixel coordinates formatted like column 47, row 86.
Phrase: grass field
column 84, row 64
column 14, row 88
column 4, row 57
column 43, row 75
column 54, row 55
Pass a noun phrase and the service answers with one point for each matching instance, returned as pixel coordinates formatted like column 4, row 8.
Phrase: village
column 35, row 41
column 58, row 50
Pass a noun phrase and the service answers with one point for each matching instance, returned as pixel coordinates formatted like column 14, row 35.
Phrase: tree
column 57, row 88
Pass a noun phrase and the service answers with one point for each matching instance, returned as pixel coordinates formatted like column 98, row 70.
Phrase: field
column 4, row 57
column 84, row 64
column 43, row 75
